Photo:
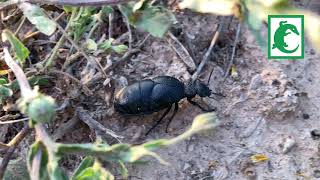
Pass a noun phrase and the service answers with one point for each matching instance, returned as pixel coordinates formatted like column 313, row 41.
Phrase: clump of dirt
column 273, row 93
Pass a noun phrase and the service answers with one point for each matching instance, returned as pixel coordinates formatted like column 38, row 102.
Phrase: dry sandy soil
column 270, row 108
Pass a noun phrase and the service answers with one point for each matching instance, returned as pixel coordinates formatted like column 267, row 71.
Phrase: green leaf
column 19, row 49
column 105, row 45
column 68, row 9
column 4, row 93
column 107, row 9
column 38, row 18
column 120, row 48
column 85, row 163
column 3, row 81
column 154, row 19
column 91, row 45
column 33, row 81
column 97, row 172
column 83, row 22
column 220, row 7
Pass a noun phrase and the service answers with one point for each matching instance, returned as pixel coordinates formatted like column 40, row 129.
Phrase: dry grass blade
column 181, row 51
column 87, row 91
column 79, row 48
column 233, row 51
column 22, row 79
column 14, row 121
column 206, row 56
column 95, row 125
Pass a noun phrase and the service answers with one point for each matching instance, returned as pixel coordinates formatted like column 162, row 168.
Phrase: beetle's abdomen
column 148, row 96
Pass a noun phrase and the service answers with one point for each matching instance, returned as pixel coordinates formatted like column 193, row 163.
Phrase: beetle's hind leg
column 158, row 122
column 176, row 107
column 198, row 105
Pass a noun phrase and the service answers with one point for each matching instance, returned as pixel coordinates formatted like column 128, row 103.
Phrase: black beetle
column 152, row 95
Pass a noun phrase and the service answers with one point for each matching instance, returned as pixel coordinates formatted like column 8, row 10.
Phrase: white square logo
column 285, row 37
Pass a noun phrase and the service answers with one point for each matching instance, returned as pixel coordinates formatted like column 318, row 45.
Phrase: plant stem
column 48, row 62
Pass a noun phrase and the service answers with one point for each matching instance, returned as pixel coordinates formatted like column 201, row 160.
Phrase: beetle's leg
column 158, row 122
column 198, row 105
column 176, row 107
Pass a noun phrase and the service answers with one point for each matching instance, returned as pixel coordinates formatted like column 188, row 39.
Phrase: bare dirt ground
column 270, row 108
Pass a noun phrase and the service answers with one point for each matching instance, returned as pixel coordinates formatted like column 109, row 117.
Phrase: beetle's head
column 196, row 88
column 202, row 89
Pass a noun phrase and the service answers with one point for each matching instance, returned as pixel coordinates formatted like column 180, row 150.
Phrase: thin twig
column 20, row 25
column 13, row 144
column 84, row 87
column 14, row 121
column 3, row 146
column 94, row 27
column 233, row 50
column 182, row 52
column 74, row 44
column 206, row 55
column 110, row 32
column 130, row 32
column 95, row 125
column 123, row 59
column 72, row 58
column 50, row 60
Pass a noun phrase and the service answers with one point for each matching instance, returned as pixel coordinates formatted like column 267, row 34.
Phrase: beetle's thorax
column 193, row 88
column 189, row 89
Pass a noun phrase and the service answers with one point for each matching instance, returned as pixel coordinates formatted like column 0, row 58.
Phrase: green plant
column 44, row 154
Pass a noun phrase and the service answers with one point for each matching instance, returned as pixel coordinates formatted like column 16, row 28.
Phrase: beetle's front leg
column 199, row 106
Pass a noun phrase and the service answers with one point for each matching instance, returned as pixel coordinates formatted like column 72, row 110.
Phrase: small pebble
column 186, row 166
column 305, row 116
column 312, row 52
column 288, row 144
column 315, row 134
column 316, row 173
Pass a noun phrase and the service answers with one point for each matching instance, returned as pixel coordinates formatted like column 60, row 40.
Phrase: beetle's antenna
column 210, row 76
